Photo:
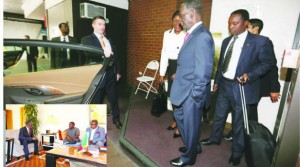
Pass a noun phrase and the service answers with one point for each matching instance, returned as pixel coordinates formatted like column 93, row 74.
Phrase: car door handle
column 34, row 91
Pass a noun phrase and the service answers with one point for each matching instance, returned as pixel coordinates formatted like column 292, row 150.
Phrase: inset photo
column 56, row 135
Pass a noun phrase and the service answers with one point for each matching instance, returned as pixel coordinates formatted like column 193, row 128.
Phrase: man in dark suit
column 244, row 59
column 62, row 57
column 109, row 84
column 191, row 86
column 32, row 55
column 269, row 84
column 26, row 136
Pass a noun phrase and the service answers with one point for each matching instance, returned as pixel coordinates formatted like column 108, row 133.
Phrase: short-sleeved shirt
column 72, row 132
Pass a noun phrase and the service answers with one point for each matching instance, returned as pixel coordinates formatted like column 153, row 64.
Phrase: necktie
column 28, row 132
column 102, row 42
column 228, row 56
column 186, row 36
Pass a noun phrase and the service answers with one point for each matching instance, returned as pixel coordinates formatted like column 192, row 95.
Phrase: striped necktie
column 228, row 55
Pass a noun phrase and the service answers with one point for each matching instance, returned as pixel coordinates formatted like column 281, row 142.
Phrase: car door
column 65, row 73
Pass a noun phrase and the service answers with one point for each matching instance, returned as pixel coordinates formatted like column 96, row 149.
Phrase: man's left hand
column 243, row 79
column 275, row 96
column 118, row 77
column 173, row 76
column 107, row 52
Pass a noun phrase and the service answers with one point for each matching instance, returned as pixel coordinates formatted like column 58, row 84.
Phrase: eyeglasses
column 93, row 124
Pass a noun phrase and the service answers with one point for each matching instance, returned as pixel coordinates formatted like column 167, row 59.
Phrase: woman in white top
column 172, row 42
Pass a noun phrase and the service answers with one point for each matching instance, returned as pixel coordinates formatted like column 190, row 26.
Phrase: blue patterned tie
column 228, row 56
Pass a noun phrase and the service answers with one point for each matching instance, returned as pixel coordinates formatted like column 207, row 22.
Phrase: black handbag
column 159, row 104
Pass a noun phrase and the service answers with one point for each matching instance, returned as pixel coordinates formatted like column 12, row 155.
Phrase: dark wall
column 116, row 29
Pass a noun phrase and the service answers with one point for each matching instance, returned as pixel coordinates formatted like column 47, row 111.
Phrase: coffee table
column 67, row 153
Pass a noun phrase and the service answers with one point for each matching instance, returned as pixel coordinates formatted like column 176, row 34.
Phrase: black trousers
column 171, row 70
column 31, row 64
column 109, row 87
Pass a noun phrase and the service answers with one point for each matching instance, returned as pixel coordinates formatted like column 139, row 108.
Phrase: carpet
column 147, row 138
column 37, row 161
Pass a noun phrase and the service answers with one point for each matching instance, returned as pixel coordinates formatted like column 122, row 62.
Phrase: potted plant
column 31, row 113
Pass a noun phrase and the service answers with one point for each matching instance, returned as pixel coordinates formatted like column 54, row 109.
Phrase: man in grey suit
column 191, row 86
column 96, row 134
column 63, row 57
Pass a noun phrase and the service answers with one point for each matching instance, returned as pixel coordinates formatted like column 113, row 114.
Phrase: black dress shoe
column 177, row 162
column 171, row 128
column 118, row 124
column 228, row 138
column 26, row 158
column 176, row 135
column 209, row 142
column 234, row 160
column 183, row 150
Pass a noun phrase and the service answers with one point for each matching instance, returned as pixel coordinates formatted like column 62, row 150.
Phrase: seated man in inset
column 96, row 134
column 72, row 134
column 26, row 136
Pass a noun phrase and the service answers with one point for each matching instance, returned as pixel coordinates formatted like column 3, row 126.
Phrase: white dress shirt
column 236, row 53
column 194, row 26
column 172, row 44
column 106, row 41
column 66, row 38
column 28, row 130
column 92, row 134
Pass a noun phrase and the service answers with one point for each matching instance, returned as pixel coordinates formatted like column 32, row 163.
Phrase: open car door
column 72, row 77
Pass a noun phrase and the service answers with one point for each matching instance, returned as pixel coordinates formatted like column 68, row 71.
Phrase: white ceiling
column 13, row 6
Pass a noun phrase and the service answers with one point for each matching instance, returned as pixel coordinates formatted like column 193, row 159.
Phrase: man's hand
column 34, row 138
column 243, row 79
column 107, row 52
column 90, row 142
column 173, row 76
column 161, row 79
column 275, row 96
column 118, row 77
column 68, row 137
column 215, row 87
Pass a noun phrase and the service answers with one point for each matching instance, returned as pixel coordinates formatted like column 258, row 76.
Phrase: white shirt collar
column 66, row 37
column 99, row 35
column 194, row 26
column 243, row 35
column 171, row 31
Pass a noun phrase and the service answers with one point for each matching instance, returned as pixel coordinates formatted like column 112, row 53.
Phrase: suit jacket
column 92, row 40
column 256, row 59
column 71, row 39
column 99, row 134
column 23, row 135
column 33, row 52
column 194, row 68
column 269, row 82
column 59, row 58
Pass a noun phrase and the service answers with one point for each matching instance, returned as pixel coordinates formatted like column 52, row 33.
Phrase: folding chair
column 146, row 80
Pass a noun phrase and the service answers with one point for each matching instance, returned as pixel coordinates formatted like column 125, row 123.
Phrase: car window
column 45, row 56
column 11, row 56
